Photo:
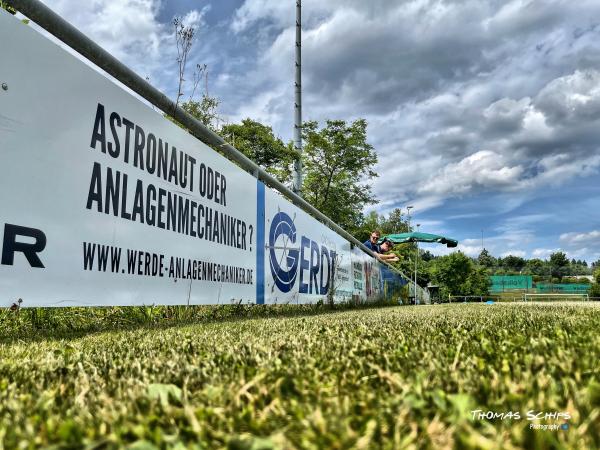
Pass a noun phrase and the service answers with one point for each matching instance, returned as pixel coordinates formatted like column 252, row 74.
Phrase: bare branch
column 184, row 37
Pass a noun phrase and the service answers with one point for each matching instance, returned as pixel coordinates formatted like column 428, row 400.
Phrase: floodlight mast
column 416, row 260
column 408, row 208
column 297, row 183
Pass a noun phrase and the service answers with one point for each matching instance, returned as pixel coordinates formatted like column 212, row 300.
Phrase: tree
column 559, row 264
column 406, row 260
column 486, row 260
column 427, row 255
column 478, row 282
column 371, row 222
column 536, row 266
column 394, row 223
column 595, row 288
column 457, row 275
column 204, row 110
column 513, row 263
column 258, row 143
column 338, row 163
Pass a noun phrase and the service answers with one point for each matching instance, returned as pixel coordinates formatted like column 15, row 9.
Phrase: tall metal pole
column 408, row 208
column 482, row 247
column 297, row 184
column 416, row 259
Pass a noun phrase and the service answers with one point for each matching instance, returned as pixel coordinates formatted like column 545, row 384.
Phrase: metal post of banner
column 71, row 36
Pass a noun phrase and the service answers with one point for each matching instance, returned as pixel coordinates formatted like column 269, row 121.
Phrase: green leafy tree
column 559, row 264
column 427, row 256
column 394, row 223
column 513, row 263
column 536, row 266
column 258, row 143
column 370, row 222
column 406, row 261
column 450, row 272
column 478, row 282
column 456, row 274
column 595, row 288
column 205, row 110
column 579, row 268
column 486, row 260
column 338, row 164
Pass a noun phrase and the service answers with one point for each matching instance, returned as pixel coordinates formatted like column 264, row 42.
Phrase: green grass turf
column 394, row 377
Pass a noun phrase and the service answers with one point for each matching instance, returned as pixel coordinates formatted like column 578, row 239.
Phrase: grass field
column 393, row 377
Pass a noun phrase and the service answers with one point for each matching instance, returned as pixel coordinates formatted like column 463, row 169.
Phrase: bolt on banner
column 106, row 202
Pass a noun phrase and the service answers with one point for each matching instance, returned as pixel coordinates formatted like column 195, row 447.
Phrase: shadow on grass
column 40, row 324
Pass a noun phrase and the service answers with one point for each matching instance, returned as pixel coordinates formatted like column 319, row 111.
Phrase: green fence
column 544, row 288
column 501, row 283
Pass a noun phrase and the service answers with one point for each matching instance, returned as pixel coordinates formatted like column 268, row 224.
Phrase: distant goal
column 554, row 297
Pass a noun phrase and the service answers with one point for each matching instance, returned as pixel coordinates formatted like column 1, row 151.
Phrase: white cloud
column 484, row 168
column 507, row 114
column 441, row 250
column 582, row 244
column 571, row 98
column 131, row 31
column 195, row 18
column 544, row 253
column 581, row 238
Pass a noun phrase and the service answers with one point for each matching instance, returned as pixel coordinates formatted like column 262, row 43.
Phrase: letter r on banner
column 10, row 245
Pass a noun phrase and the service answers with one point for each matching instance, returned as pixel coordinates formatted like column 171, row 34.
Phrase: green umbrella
column 420, row 237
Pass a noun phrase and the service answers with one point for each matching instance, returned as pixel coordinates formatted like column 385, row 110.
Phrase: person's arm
column 391, row 257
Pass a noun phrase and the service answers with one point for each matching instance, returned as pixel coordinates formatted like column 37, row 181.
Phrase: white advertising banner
column 304, row 260
column 366, row 276
column 103, row 201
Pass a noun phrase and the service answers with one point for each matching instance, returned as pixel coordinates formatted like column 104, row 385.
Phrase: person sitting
column 383, row 254
column 372, row 244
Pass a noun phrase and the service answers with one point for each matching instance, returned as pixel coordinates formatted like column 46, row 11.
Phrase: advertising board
column 304, row 260
column 105, row 201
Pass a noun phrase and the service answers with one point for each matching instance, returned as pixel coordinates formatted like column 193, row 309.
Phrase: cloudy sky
column 485, row 114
